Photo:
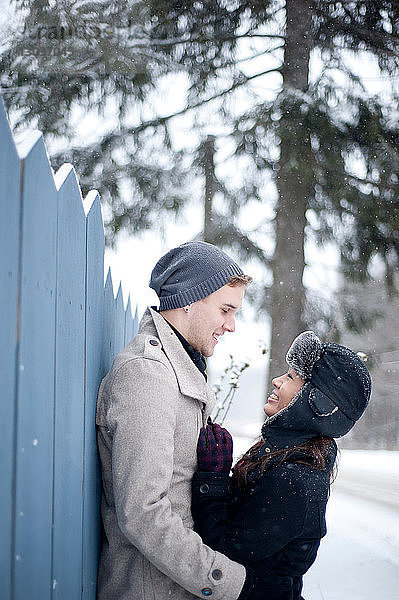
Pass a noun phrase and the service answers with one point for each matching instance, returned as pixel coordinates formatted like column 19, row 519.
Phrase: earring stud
column 186, row 308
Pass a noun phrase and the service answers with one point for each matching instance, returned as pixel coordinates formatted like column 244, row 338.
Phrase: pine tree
column 308, row 134
column 65, row 61
column 319, row 127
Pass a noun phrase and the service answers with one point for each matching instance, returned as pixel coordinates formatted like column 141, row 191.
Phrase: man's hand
column 214, row 449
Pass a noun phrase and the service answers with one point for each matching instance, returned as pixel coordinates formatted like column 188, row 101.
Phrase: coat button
column 206, row 592
column 217, row 574
column 154, row 342
column 204, row 488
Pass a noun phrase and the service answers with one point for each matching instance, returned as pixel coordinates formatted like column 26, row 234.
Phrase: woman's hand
column 214, row 449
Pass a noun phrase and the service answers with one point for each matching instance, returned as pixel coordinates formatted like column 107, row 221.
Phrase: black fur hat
column 335, row 395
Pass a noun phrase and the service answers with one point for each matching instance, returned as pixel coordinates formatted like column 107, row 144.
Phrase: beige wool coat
column 150, row 408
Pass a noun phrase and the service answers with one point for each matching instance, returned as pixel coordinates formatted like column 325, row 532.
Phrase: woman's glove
column 214, row 449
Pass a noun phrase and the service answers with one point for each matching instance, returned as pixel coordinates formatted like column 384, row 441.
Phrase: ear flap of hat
column 321, row 404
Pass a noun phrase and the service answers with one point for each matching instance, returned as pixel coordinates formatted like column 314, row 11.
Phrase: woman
column 270, row 515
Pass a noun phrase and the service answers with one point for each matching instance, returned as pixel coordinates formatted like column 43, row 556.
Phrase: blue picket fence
column 60, row 329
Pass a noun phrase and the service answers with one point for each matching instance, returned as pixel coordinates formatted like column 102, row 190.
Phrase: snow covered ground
column 359, row 557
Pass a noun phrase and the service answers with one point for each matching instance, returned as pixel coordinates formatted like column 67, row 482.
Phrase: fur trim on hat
column 305, row 350
column 335, row 395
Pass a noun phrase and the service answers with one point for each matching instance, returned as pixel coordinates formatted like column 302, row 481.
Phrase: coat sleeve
column 259, row 524
column 142, row 420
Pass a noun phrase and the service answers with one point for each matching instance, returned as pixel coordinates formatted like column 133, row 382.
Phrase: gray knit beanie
column 191, row 272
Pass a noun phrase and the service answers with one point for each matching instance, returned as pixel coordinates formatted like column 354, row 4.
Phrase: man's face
column 210, row 317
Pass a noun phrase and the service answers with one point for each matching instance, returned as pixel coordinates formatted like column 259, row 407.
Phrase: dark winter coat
column 276, row 522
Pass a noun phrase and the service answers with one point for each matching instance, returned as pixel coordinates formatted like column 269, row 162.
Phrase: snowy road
column 370, row 475
column 359, row 558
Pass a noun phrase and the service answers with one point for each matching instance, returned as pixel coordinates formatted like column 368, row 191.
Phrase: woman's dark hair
column 313, row 452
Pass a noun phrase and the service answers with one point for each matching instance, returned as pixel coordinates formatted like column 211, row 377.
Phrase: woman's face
column 285, row 388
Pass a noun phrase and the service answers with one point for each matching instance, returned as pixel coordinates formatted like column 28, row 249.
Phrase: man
column 150, row 409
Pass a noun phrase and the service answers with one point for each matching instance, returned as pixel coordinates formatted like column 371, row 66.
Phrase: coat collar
column 191, row 382
column 195, row 356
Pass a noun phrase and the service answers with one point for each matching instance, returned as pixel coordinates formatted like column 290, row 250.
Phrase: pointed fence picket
column 35, row 371
column 10, row 177
column 69, row 391
column 94, row 371
column 60, row 330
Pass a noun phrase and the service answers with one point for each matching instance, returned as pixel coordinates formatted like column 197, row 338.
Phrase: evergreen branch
column 233, row 62
column 225, row 233
column 377, row 184
column 260, row 35
column 109, row 140
column 272, row 11
column 161, row 120
column 257, row 55
column 359, row 180
column 376, row 40
column 203, row 39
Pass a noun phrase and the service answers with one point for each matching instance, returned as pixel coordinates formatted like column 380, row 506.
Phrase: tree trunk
column 207, row 161
column 288, row 291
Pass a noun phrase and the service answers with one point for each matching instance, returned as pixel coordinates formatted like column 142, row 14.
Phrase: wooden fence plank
column 35, row 383
column 60, row 332
column 9, row 282
column 109, row 323
column 69, row 389
column 94, row 372
column 119, row 329
column 135, row 322
column 128, row 322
